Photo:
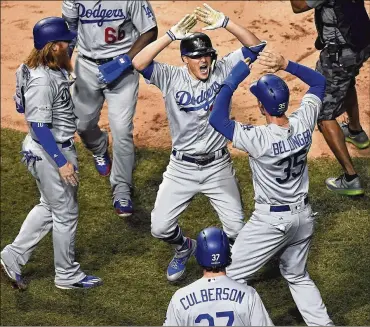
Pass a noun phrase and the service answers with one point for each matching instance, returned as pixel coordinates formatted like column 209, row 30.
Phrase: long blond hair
column 43, row 57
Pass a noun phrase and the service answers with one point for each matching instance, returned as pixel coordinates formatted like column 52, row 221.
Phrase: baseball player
column 200, row 162
column 283, row 221
column 42, row 93
column 110, row 34
column 215, row 299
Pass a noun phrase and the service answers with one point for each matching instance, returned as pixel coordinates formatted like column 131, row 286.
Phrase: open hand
column 182, row 28
column 69, row 174
column 272, row 61
column 211, row 17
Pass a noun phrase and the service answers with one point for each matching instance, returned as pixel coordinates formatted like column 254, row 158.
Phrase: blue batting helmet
column 213, row 249
column 273, row 93
column 51, row 29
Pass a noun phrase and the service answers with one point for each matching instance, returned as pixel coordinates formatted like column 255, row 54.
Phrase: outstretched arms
column 177, row 32
column 215, row 19
column 314, row 79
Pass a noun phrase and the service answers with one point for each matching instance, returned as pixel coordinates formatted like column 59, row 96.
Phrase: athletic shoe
column 15, row 279
column 360, row 140
column 103, row 164
column 176, row 268
column 86, row 282
column 341, row 186
column 123, row 207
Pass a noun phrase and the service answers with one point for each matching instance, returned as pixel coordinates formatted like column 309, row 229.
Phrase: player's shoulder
column 36, row 76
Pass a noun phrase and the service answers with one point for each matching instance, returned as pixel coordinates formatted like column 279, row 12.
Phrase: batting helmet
column 273, row 93
column 213, row 249
column 197, row 44
column 51, row 29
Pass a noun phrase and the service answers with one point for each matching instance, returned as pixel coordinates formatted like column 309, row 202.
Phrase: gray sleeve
column 142, row 16
column 258, row 314
column 250, row 139
column 309, row 110
column 315, row 3
column 163, row 76
column 39, row 101
column 227, row 63
column 172, row 318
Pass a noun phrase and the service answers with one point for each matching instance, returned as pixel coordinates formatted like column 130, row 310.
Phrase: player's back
column 278, row 155
column 217, row 301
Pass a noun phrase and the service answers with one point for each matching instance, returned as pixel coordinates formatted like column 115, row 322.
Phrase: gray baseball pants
column 56, row 212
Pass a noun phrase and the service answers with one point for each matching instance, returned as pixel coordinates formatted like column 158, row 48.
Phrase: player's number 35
column 211, row 320
column 111, row 35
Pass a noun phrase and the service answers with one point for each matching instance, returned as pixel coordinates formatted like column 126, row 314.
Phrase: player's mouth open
column 204, row 69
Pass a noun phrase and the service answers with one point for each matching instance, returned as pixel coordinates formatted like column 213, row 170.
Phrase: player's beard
column 63, row 59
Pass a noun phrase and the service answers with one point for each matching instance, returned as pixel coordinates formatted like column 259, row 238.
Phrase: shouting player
column 43, row 96
column 200, row 161
column 215, row 299
column 110, row 34
column 283, row 222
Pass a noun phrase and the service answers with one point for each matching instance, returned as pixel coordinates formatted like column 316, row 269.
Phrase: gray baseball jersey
column 218, row 301
column 278, row 155
column 189, row 101
column 47, row 100
column 109, row 28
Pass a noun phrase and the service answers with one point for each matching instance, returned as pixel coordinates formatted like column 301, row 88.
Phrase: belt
column 201, row 161
column 65, row 144
column 282, row 208
column 97, row 61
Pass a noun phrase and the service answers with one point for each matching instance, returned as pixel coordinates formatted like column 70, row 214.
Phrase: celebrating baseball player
column 42, row 94
column 215, row 299
column 200, row 162
column 110, row 34
column 283, row 221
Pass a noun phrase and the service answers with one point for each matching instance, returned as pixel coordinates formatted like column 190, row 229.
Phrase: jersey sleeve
column 39, row 101
column 172, row 318
column 142, row 16
column 69, row 9
column 227, row 63
column 163, row 76
column 309, row 110
column 249, row 138
column 258, row 313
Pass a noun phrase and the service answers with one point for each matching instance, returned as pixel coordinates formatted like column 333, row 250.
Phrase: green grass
column 133, row 263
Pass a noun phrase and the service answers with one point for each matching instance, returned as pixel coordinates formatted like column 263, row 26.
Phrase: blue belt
column 98, row 61
column 200, row 162
column 65, row 144
column 285, row 207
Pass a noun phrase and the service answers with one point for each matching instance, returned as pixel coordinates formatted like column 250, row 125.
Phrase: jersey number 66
column 112, row 35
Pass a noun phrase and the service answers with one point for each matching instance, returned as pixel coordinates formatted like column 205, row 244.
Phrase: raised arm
column 219, row 118
column 177, row 32
column 215, row 19
column 275, row 62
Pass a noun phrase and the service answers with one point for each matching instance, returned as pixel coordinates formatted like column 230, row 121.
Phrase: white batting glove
column 182, row 28
column 211, row 17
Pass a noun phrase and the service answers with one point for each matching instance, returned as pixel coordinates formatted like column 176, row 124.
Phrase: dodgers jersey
column 278, row 155
column 189, row 101
column 218, row 301
column 109, row 28
column 46, row 99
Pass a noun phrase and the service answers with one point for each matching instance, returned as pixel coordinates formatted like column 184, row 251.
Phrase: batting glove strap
column 171, row 35
column 225, row 22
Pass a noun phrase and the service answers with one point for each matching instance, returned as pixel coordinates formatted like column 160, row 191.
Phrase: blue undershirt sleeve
column 219, row 118
column 47, row 141
column 314, row 79
column 148, row 71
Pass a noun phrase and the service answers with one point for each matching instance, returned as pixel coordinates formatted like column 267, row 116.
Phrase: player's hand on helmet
column 182, row 28
column 69, row 174
column 272, row 61
column 211, row 17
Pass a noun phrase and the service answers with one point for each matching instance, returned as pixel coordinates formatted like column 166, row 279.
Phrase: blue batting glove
column 111, row 70
column 237, row 75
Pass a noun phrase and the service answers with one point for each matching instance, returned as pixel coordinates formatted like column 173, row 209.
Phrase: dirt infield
column 273, row 21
